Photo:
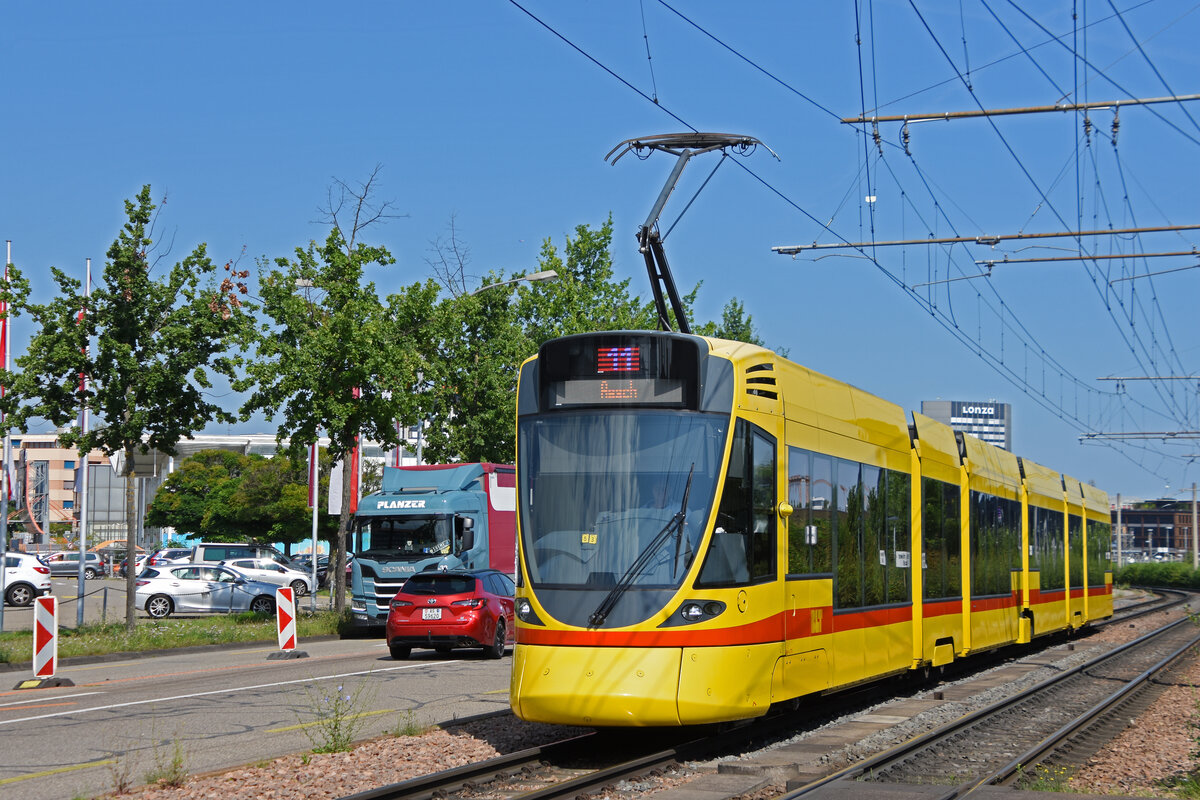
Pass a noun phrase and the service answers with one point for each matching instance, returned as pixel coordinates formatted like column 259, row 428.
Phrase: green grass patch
column 165, row 634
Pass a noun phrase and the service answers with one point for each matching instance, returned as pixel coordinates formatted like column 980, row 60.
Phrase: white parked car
column 270, row 571
column 25, row 577
column 172, row 588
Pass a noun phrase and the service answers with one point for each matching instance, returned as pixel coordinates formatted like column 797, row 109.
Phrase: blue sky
column 489, row 114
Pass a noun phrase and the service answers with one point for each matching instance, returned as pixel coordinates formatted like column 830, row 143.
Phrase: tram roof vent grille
column 755, row 379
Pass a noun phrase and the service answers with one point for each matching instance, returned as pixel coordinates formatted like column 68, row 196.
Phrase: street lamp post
column 544, row 275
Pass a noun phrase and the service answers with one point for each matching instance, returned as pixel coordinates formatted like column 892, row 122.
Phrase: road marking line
column 40, row 699
column 322, row 722
column 57, row 770
column 312, row 679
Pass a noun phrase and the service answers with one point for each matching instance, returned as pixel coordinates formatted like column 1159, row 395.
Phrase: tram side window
column 809, row 538
column 1048, row 548
column 860, row 513
column 762, row 536
column 847, row 526
column 1099, row 551
column 875, row 556
column 952, row 533
column 933, row 541
column 743, row 542
column 899, row 538
column 979, row 536
column 1075, row 539
column 995, row 543
column 1012, row 543
column 941, row 546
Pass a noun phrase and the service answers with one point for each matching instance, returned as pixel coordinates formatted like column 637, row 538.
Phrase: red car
column 456, row 608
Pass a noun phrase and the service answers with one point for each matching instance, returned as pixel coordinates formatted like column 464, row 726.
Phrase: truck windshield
column 404, row 537
column 597, row 490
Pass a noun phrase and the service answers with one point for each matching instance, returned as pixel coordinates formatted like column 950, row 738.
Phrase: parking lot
column 105, row 597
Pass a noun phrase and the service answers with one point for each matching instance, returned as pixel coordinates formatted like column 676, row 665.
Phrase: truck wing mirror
column 468, row 535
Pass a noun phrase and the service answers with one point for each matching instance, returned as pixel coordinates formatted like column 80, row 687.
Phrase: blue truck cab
column 430, row 517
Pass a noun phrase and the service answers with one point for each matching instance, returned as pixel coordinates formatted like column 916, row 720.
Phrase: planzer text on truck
column 430, row 517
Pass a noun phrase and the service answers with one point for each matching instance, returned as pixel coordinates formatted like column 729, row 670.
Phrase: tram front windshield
column 611, row 496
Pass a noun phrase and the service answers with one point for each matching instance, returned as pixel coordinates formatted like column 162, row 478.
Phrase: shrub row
column 1168, row 574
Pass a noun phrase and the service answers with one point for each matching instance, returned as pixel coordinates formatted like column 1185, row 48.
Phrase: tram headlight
column 693, row 611
column 526, row 614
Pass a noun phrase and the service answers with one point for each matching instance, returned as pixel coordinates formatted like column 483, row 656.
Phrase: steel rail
column 437, row 784
column 926, row 740
column 1011, row 772
column 1135, row 610
column 468, row 777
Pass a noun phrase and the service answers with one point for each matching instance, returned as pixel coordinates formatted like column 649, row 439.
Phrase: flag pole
column 314, row 483
column 82, row 482
column 4, row 476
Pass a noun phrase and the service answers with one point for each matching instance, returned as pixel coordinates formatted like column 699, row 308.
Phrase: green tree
column 195, row 499
column 271, row 502
column 158, row 335
column 471, row 377
column 226, row 496
column 334, row 356
column 585, row 296
column 735, row 324
column 483, row 338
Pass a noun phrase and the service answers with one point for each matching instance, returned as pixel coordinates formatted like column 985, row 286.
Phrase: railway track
column 1004, row 743
column 566, row 769
column 593, row 762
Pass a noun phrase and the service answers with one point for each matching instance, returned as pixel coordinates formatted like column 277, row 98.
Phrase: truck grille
column 385, row 590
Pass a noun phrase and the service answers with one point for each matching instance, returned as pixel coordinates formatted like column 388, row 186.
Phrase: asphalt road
column 222, row 707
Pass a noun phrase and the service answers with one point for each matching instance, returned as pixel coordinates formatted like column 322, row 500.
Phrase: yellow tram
column 706, row 528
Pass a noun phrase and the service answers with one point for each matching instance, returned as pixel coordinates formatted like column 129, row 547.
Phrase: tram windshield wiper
column 676, row 523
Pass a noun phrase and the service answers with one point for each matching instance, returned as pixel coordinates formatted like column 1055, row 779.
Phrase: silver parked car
column 268, row 570
column 181, row 588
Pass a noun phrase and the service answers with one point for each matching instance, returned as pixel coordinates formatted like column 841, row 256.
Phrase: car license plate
column 431, row 613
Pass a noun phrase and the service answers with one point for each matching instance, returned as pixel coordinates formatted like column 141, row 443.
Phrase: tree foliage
column 224, row 496
column 735, row 325
column 159, row 334
column 469, row 399
column 332, row 355
column 483, row 338
column 195, row 498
